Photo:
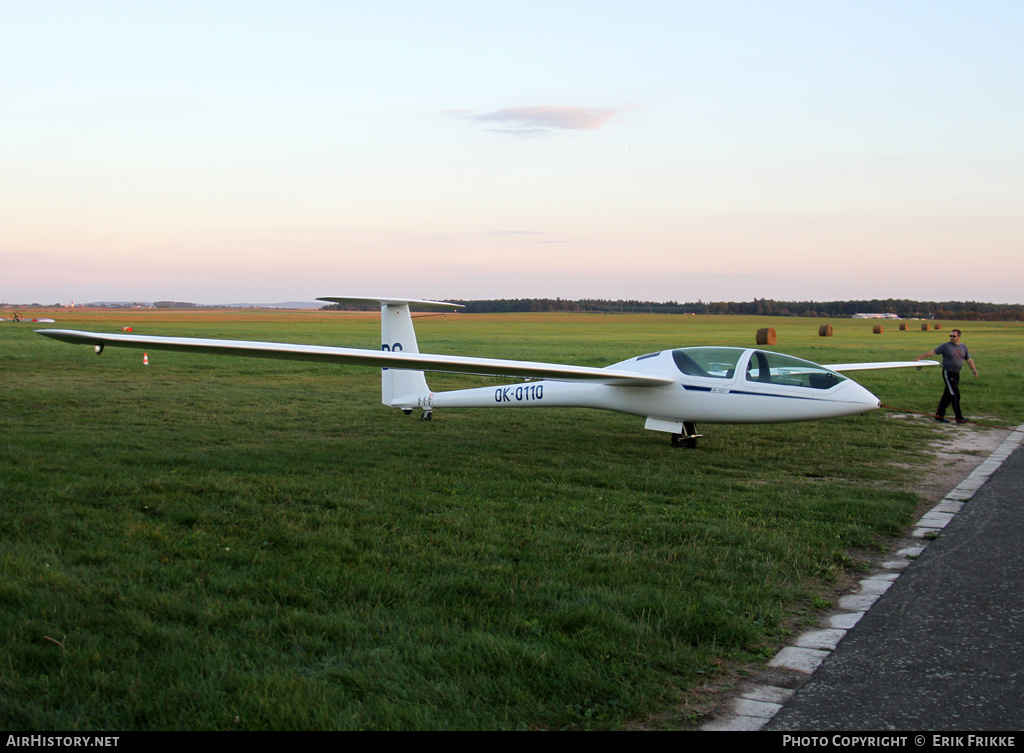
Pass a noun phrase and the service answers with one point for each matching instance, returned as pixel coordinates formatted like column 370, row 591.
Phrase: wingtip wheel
column 99, row 348
column 689, row 439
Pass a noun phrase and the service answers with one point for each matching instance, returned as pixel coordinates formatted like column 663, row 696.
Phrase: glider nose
column 860, row 397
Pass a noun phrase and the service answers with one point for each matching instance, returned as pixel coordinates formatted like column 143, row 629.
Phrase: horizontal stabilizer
column 379, row 358
column 412, row 302
column 843, row 367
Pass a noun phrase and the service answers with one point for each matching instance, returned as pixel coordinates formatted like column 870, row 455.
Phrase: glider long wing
column 379, row 358
column 842, row 367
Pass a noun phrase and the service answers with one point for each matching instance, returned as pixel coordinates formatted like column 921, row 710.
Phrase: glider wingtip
column 843, row 367
column 69, row 335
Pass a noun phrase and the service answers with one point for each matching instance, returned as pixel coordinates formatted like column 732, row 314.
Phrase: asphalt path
column 943, row 648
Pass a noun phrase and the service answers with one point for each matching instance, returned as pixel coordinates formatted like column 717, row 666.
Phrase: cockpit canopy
column 761, row 366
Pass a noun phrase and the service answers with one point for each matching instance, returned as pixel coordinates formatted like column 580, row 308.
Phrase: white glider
column 672, row 389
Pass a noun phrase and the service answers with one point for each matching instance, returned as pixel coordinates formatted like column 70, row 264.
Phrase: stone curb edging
column 758, row 703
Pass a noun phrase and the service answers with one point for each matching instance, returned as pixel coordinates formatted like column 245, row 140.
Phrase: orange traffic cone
column 145, row 359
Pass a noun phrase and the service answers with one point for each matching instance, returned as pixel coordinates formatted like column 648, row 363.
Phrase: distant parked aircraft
column 16, row 317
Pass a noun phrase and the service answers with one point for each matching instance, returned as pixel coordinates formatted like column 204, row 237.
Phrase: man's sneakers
column 961, row 420
column 941, row 419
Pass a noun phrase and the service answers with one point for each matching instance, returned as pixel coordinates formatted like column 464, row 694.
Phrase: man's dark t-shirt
column 953, row 356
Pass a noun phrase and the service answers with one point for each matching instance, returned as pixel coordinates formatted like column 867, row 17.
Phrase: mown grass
column 217, row 543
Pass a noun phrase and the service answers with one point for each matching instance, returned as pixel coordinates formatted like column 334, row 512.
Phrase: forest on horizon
column 903, row 308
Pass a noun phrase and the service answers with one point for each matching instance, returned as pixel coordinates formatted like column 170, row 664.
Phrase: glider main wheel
column 689, row 439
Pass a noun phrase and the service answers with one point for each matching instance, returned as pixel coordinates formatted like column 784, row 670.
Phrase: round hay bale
column 879, row 329
column 903, row 326
column 938, row 326
column 766, row 336
column 924, row 327
column 825, row 330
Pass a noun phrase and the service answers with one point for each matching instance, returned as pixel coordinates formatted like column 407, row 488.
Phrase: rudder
column 400, row 388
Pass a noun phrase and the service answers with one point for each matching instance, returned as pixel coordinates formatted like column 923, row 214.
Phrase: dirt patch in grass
column 957, row 455
column 952, row 455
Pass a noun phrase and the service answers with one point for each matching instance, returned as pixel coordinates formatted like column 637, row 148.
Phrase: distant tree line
column 586, row 304
column 903, row 308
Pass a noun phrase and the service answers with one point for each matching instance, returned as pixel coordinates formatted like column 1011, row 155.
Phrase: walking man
column 953, row 353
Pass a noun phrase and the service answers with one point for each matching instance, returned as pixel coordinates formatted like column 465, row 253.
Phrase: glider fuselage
column 741, row 386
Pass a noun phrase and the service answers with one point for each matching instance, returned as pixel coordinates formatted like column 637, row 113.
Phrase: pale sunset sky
column 224, row 152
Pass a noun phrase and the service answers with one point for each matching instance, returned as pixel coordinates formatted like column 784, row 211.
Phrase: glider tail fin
column 400, row 388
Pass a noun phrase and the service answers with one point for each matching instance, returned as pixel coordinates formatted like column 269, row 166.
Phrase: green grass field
column 224, row 543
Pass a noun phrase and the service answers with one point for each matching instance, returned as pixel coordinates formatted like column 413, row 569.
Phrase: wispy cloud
column 538, row 121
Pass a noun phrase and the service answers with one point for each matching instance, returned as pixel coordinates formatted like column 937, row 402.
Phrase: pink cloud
column 545, row 119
